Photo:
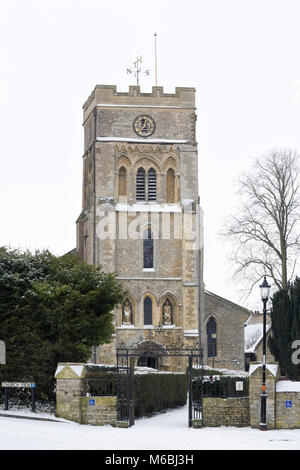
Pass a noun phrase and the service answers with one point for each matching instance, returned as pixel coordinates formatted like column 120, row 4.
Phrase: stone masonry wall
column 255, row 387
column 99, row 411
column 287, row 410
column 226, row 411
column 71, row 403
column 230, row 340
column 69, row 388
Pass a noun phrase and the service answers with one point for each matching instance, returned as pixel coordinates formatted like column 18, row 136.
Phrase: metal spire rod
column 155, row 36
column 136, row 64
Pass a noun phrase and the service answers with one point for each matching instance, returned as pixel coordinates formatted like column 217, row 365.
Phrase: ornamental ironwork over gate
column 156, row 352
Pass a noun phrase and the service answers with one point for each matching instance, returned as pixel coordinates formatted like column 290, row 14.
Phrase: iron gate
column 125, row 382
column 125, row 379
column 195, row 388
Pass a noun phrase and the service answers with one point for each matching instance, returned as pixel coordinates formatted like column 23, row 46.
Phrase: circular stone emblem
column 144, row 125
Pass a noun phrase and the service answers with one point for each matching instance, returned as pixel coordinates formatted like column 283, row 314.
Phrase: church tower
column 141, row 217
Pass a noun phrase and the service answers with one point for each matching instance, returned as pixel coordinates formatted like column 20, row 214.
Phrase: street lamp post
column 264, row 290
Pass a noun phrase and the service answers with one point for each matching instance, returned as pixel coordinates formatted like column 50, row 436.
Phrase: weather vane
column 137, row 70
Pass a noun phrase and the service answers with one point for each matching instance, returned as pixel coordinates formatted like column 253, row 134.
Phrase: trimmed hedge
column 153, row 392
column 157, row 392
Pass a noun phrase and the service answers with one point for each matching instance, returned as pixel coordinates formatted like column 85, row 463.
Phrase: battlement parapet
column 184, row 97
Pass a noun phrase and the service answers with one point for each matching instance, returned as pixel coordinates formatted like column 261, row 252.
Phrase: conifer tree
column 285, row 316
column 52, row 309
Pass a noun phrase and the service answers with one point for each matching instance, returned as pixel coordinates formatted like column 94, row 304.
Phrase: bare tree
column 266, row 228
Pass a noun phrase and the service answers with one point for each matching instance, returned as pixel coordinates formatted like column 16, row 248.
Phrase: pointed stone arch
column 150, row 354
column 123, row 160
column 147, row 161
column 171, row 162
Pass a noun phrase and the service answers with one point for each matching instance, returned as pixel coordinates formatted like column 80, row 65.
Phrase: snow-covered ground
column 166, row 431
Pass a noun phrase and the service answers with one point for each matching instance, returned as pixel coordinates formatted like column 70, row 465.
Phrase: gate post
column 6, row 398
column 131, row 391
column 190, row 371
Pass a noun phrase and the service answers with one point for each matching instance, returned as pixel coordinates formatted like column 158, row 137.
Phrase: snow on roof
column 253, row 334
column 77, row 369
column 270, row 367
column 233, row 372
column 149, row 370
column 287, row 386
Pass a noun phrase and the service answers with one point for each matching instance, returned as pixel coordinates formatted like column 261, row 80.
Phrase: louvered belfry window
column 146, row 185
column 141, row 185
column 151, row 185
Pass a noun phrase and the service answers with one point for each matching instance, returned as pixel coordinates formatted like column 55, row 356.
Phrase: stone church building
column 141, row 218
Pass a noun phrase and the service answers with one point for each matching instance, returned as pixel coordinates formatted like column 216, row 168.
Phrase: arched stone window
column 148, row 249
column 147, row 311
column 151, row 185
column 211, row 331
column 170, row 185
column 122, row 181
column 141, row 185
column 167, row 313
column 127, row 312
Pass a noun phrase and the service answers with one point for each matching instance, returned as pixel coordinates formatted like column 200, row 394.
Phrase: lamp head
column 264, row 290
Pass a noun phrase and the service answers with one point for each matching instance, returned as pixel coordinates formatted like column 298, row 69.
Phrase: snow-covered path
column 167, row 431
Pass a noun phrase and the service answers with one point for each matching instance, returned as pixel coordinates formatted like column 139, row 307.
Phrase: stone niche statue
column 167, row 313
column 127, row 313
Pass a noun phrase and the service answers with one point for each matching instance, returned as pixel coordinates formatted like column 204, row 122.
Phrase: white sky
column 242, row 56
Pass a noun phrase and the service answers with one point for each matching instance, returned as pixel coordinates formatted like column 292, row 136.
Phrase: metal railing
column 100, row 387
column 222, row 386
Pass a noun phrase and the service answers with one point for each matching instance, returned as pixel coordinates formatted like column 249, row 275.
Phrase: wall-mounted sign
column 239, row 386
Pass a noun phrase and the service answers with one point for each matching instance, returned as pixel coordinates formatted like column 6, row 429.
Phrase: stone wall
column 230, row 319
column 71, row 403
column 255, row 388
column 99, row 411
column 69, row 388
column 287, row 404
column 283, row 401
column 226, row 411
